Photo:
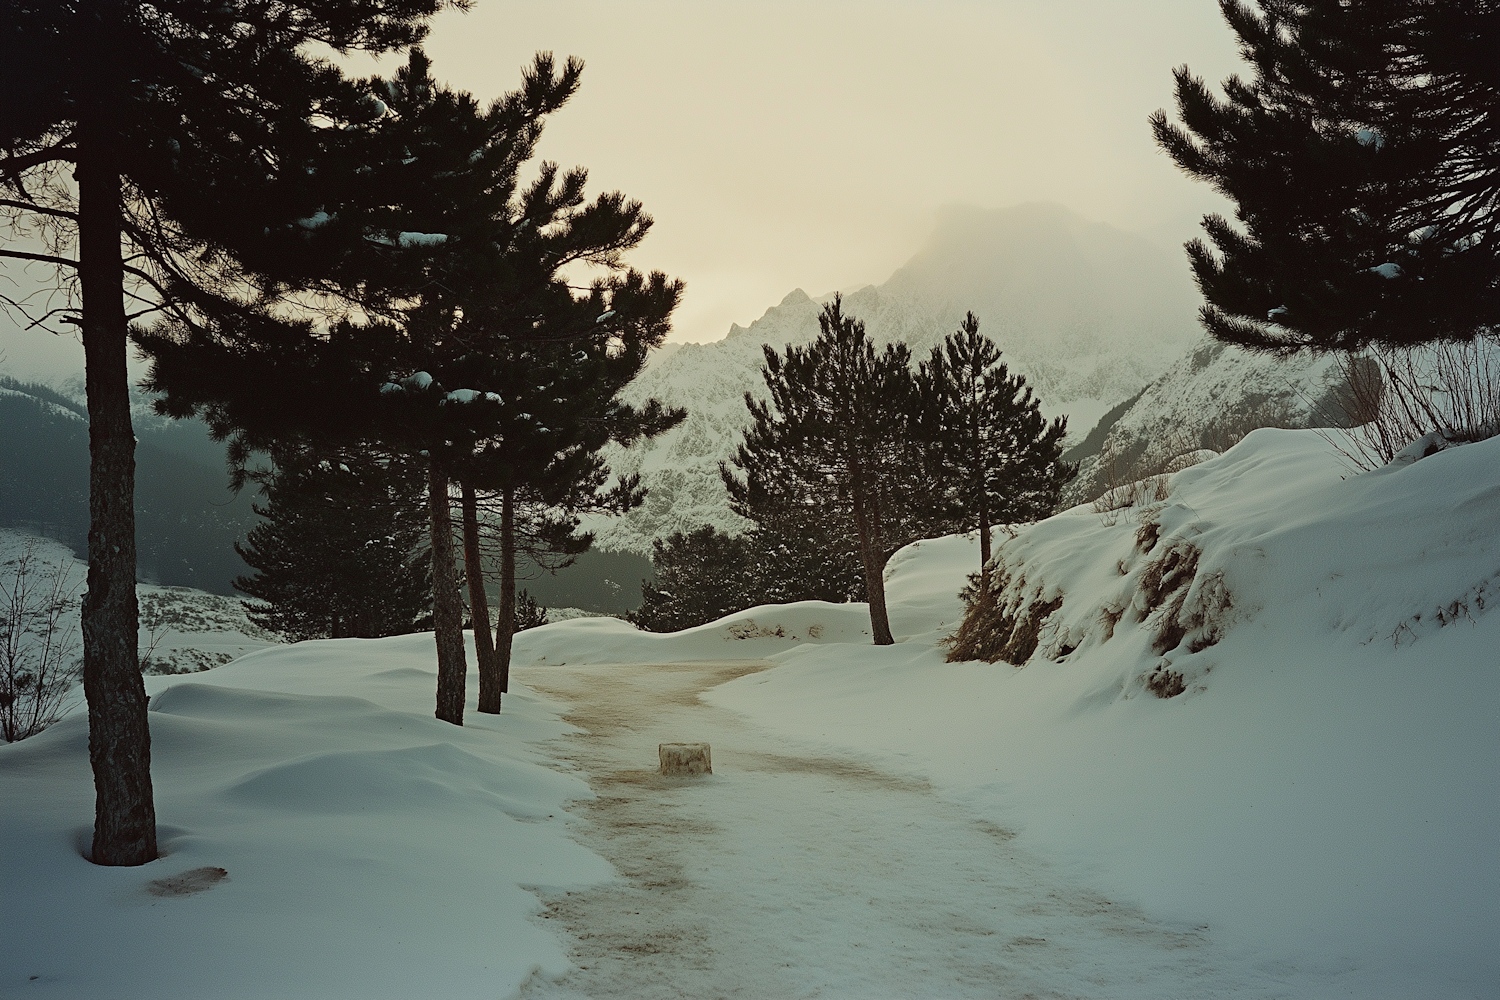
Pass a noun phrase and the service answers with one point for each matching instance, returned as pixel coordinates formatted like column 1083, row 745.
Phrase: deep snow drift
column 370, row 850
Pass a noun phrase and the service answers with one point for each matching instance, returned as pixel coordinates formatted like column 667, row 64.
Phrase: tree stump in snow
column 685, row 758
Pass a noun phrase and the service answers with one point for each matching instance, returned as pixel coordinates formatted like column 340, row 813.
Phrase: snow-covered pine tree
column 340, row 552
column 701, row 575
column 1000, row 461
column 188, row 130
column 1363, row 158
column 838, row 445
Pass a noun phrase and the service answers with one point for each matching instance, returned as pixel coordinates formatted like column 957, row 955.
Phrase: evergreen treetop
column 1364, row 162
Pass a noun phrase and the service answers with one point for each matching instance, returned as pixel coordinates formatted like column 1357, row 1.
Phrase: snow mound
column 922, row 598
column 322, row 835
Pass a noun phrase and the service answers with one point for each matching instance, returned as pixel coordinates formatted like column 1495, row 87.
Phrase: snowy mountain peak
column 1088, row 313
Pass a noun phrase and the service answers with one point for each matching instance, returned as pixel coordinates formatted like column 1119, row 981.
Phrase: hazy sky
column 783, row 145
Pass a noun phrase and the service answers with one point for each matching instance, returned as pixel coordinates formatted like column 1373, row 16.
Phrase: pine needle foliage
column 701, row 576
column 1363, row 158
column 1000, row 461
column 339, row 552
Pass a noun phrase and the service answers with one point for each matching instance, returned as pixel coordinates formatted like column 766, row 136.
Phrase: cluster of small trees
column 345, row 274
column 856, row 453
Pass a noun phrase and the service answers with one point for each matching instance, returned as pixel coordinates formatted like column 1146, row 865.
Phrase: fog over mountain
column 1089, row 313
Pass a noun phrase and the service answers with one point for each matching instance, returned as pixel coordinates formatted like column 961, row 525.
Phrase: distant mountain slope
column 1088, row 313
column 186, row 518
column 1208, row 399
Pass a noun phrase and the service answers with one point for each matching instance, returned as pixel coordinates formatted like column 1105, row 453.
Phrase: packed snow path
column 793, row 873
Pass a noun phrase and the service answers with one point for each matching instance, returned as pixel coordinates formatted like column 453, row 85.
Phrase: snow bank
column 370, row 850
column 919, row 596
column 1323, row 796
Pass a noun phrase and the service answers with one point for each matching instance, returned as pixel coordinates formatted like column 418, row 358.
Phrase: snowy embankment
column 322, row 835
column 1324, row 793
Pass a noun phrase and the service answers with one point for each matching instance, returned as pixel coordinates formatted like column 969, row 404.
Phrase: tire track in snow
column 792, row 872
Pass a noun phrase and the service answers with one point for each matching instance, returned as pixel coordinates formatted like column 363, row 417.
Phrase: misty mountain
column 1088, row 313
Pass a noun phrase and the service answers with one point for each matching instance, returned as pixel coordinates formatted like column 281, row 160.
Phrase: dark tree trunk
column 984, row 545
column 871, row 553
column 119, row 737
column 505, row 627
column 447, row 606
column 479, row 608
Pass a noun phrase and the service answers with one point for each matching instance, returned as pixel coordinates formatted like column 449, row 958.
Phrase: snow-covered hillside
column 1316, row 794
column 1088, row 313
column 181, row 630
column 1209, row 398
column 1321, row 796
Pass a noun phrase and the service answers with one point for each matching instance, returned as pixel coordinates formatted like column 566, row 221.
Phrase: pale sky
column 807, row 145
column 783, row 145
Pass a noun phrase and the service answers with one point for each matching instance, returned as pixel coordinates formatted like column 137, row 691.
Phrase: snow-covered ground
column 1325, row 796
column 1314, row 815
column 368, row 850
column 1321, row 802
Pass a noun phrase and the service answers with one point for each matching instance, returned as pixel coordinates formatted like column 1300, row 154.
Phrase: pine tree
column 1363, row 158
column 340, row 552
column 183, row 128
column 701, row 576
column 1000, row 460
column 836, row 446
column 541, row 461
column 528, row 613
column 464, row 268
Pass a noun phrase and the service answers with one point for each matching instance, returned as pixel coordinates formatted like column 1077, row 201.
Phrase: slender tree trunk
column 447, row 606
column 505, row 628
column 479, row 608
column 867, row 527
column 984, row 544
column 119, row 737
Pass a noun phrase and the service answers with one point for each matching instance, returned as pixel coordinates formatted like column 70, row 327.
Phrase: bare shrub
column 999, row 627
column 1165, row 683
column 1394, row 397
column 1184, row 606
column 39, row 642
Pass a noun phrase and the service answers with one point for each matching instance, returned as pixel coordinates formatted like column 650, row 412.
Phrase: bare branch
column 44, row 258
column 13, row 165
column 28, row 206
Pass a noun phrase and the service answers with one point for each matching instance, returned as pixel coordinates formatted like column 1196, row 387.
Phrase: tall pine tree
column 465, row 267
column 188, row 128
column 837, row 445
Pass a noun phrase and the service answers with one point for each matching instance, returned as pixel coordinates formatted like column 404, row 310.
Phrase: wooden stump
column 685, row 758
